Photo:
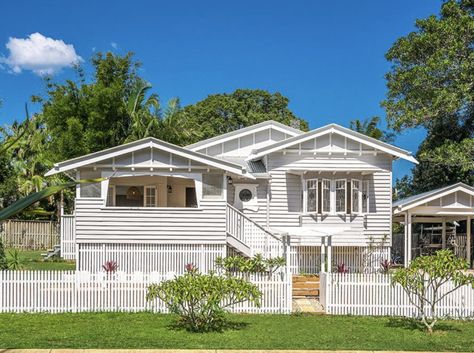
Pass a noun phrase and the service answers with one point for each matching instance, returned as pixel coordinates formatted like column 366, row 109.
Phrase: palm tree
column 370, row 128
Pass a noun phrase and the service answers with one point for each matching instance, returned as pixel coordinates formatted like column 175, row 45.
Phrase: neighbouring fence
column 29, row 235
column 78, row 291
column 374, row 294
column 68, row 238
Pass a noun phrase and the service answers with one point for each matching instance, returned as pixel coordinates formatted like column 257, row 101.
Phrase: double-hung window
column 312, row 195
column 365, row 196
column 355, row 196
column 326, row 196
column 340, row 194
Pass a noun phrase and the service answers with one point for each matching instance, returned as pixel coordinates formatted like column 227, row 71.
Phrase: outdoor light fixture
column 170, row 189
column 133, row 193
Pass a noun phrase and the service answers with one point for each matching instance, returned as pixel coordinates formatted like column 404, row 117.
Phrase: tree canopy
column 221, row 113
column 431, row 85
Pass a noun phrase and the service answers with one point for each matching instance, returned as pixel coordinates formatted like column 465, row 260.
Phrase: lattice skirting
column 149, row 257
column 307, row 259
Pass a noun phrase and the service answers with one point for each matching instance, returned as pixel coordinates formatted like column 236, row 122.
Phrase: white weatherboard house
column 267, row 188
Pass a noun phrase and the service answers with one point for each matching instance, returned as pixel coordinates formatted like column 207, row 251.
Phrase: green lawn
column 32, row 260
column 146, row 330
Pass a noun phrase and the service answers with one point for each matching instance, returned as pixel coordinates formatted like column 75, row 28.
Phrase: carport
column 438, row 216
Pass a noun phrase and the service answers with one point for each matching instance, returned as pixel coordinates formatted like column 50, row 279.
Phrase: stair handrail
column 253, row 222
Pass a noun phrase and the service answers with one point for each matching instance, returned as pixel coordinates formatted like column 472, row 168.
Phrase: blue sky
column 327, row 57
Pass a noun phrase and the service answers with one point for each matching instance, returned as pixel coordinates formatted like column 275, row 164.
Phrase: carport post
column 468, row 240
column 323, row 254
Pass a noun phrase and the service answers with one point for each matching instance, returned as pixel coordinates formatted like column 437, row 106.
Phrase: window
column 150, row 196
column 355, row 191
column 212, row 186
column 326, row 196
column 129, row 196
column 341, row 196
column 245, row 195
column 111, row 196
column 311, row 195
column 90, row 189
column 365, row 196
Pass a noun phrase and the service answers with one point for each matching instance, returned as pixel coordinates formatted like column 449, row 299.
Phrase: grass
column 146, row 330
column 32, row 260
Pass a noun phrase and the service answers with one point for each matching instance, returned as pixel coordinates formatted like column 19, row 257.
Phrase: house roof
column 149, row 142
column 334, row 128
column 245, row 131
column 256, row 168
column 420, row 199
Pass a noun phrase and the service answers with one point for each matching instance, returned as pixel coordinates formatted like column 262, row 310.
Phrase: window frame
column 323, row 199
column 359, row 196
column 222, row 185
column 306, row 194
column 112, row 198
column 366, row 188
column 145, row 196
column 335, row 189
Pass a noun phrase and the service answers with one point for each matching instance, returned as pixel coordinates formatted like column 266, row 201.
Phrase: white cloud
column 114, row 45
column 40, row 54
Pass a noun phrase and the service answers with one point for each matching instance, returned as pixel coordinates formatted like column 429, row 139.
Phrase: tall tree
column 83, row 117
column 431, row 85
column 221, row 113
column 370, row 127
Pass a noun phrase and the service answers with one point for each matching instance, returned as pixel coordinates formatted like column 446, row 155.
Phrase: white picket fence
column 78, row 291
column 68, row 238
column 374, row 294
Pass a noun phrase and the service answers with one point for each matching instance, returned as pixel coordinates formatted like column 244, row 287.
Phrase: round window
column 245, row 195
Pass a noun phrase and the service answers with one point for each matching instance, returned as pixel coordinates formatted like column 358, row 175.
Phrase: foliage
column 342, row 268
column 370, row 128
column 29, row 200
column 222, row 113
column 431, row 85
column 374, row 253
column 386, row 266
column 110, row 267
column 256, row 264
column 3, row 257
column 200, row 299
column 424, row 279
column 15, row 260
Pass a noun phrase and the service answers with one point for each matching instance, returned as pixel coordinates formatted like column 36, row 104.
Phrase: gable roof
column 334, row 128
column 149, row 142
column 420, row 199
column 245, row 131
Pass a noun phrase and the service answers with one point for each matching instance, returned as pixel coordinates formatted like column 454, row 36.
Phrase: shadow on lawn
column 227, row 325
column 413, row 324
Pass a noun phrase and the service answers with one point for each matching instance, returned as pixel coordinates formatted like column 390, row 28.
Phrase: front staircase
column 248, row 238
column 305, row 286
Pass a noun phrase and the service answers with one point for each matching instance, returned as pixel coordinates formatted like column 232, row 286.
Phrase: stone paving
column 307, row 305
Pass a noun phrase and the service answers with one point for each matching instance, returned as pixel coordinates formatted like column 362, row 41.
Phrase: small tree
column 424, row 278
column 200, row 300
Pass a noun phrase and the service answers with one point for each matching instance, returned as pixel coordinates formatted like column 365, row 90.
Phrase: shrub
column 424, row 279
column 201, row 300
column 14, row 260
column 385, row 266
column 342, row 268
column 256, row 264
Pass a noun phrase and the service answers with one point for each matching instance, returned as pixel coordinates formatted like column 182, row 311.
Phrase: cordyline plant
column 424, row 279
column 201, row 300
column 342, row 268
column 110, row 267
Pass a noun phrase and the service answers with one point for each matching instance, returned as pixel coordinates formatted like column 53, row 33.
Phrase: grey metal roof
column 418, row 197
column 256, row 168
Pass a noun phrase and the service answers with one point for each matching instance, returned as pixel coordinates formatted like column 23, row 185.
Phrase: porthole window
column 245, row 195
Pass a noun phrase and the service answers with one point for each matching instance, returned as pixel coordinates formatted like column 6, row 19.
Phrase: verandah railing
column 78, row 291
column 252, row 234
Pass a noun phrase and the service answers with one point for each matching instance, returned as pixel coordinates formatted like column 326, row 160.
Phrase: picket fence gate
column 375, row 295
column 79, row 291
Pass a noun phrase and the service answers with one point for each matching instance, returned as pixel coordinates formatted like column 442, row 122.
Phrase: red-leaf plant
column 342, row 268
column 110, row 267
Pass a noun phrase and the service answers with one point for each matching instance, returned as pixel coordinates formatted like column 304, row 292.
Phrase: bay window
column 335, row 196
